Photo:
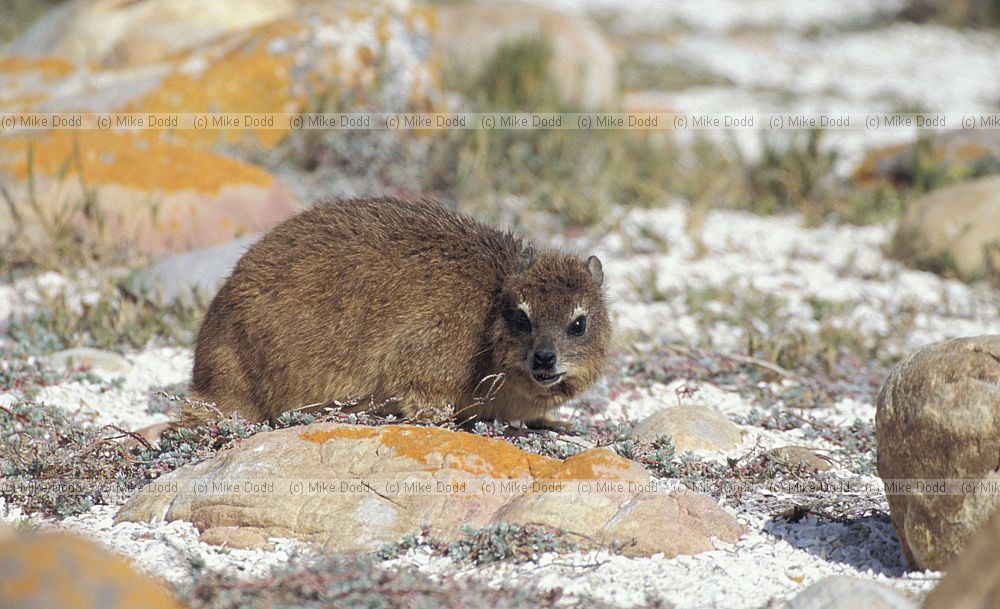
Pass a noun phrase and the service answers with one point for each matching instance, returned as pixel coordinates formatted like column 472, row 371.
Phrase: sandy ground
column 775, row 559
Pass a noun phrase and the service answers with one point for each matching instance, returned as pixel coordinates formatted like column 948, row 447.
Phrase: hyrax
column 408, row 306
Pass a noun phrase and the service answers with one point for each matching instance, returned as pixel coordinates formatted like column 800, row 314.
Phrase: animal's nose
column 545, row 358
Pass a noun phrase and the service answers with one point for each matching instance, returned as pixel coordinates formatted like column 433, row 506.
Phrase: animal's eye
column 579, row 326
column 521, row 321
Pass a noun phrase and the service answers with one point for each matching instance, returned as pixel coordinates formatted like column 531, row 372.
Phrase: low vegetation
column 359, row 582
column 493, row 543
column 106, row 316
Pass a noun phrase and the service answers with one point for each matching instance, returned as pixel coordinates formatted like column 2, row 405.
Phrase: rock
column 193, row 275
column 842, row 592
column 582, row 66
column 691, row 428
column 953, row 230
column 966, row 151
column 363, row 55
column 353, row 488
column 6, row 531
column 156, row 196
column 97, row 360
column 65, row 571
column 938, row 417
column 800, row 455
column 169, row 190
column 237, row 537
column 972, row 579
column 123, row 34
column 670, row 524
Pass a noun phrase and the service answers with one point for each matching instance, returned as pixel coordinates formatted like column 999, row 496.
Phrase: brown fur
column 406, row 304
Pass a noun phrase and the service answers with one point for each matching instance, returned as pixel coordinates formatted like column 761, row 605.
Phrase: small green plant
column 361, row 583
column 111, row 319
column 493, row 543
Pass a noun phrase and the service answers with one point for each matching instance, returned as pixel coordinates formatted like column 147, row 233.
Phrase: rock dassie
column 408, row 306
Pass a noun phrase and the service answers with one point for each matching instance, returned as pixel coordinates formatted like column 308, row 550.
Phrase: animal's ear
column 525, row 260
column 596, row 270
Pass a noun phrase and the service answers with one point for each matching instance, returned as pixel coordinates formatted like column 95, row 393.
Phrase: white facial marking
column 524, row 306
column 578, row 311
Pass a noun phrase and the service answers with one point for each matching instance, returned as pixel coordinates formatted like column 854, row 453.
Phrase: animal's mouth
column 547, row 379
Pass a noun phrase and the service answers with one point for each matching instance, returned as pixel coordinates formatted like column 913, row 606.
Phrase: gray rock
column 199, row 273
column 938, row 417
column 841, row 592
column 100, row 361
column 691, row 428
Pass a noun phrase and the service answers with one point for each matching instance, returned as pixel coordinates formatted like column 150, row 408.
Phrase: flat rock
column 842, row 592
column 972, row 579
column 352, row 488
column 190, row 276
column 68, row 572
column 98, row 360
column 691, row 428
column 800, row 455
column 938, row 417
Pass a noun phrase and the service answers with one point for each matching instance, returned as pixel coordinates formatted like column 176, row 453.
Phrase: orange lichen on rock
column 596, row 463
column 247, row 77
column 344, row 432
column 50, row 68
column 468, row 452
column 481, row 456
column 60, row 570
column 134, row 160
column 867, row 174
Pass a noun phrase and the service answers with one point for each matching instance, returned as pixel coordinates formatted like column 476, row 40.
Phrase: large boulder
column 353, row 488
column 65, row 571
column 114, row 33
column 112, row 188
column 938, row 418
column 167, row 190
column 954, row 230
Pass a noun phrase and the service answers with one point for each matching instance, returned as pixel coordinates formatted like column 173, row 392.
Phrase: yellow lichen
column 136, row 160
column 49, row 68
column 439, row 449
